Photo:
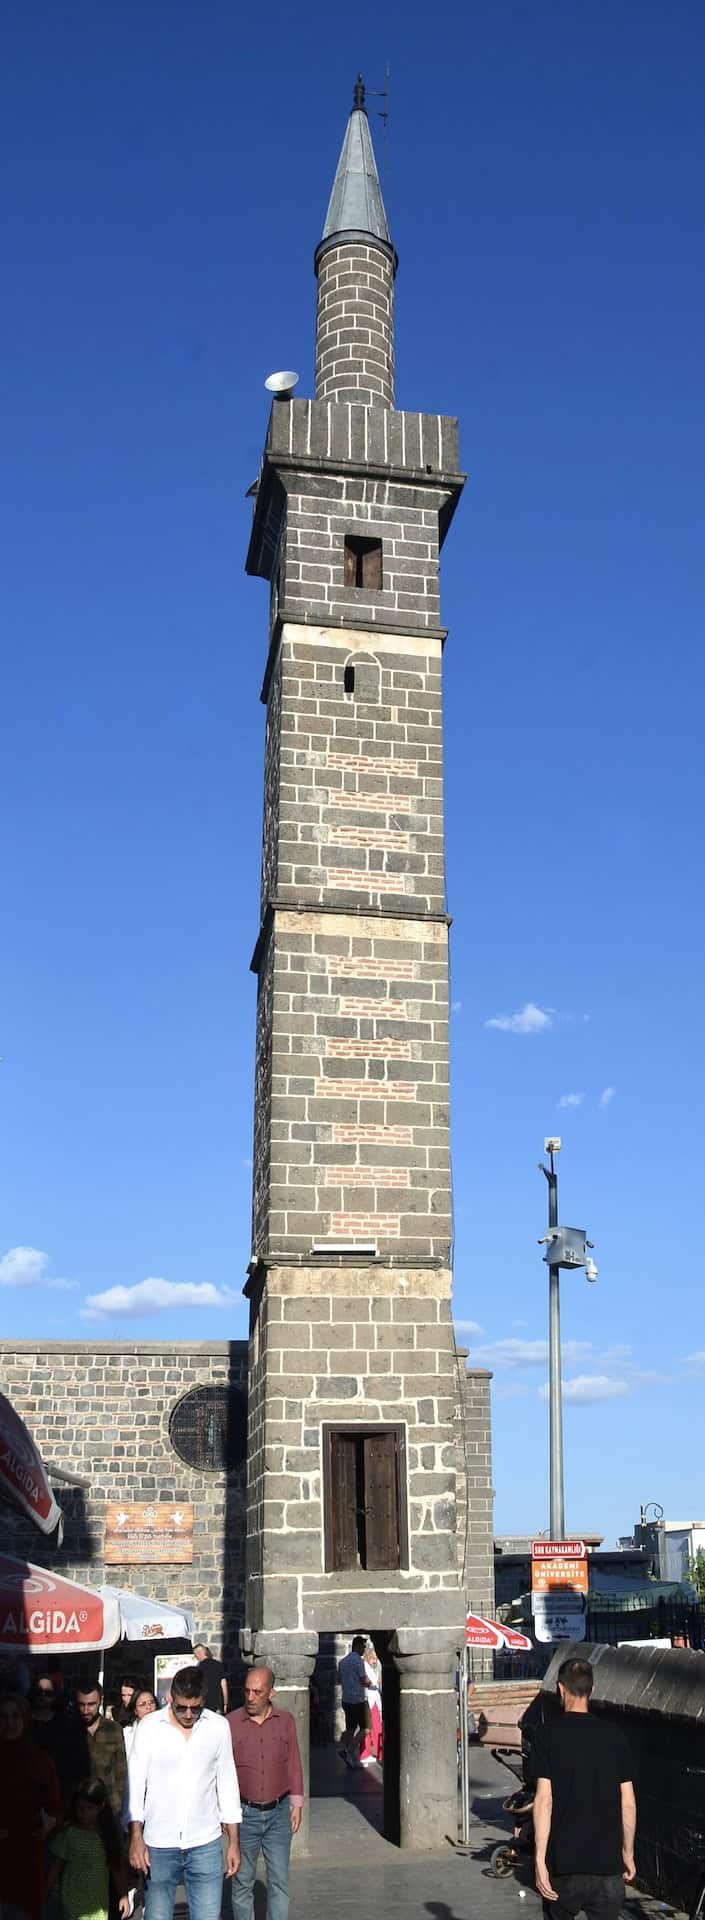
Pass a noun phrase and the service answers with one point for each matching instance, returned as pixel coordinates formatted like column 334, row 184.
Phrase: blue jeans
column 200, row 1869
column 270, row 1834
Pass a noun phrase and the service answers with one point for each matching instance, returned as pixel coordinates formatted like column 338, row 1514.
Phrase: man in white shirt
column 182, row 1791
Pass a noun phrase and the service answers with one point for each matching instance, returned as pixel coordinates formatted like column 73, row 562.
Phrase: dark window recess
column 362, row 563
column 365, row 1499
column 208, row 1428
column 361, row 677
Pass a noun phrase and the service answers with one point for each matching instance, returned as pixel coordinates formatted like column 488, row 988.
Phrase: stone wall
column 358, row 1147
column 355, row 323
column 102, row 1410
column 360, row 809
column 345, row 1345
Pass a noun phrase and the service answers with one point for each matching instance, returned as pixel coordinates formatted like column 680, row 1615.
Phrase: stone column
column 428, row 1766
column 292, row 1657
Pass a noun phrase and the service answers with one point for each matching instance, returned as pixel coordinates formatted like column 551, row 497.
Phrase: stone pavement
column 352, row 1872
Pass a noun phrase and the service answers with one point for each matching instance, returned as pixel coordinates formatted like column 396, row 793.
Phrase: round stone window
column 208, row 1428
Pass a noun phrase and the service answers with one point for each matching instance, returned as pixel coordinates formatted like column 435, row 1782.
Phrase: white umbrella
column 143, row 1619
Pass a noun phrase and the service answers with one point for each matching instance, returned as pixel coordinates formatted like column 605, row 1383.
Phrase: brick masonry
column 363, row 1093
column 355, row 324
column 350, row 1281
column 102, row 1410
column 344, row 1345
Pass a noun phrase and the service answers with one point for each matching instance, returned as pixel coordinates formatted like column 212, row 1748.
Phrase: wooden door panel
column 381, row 1480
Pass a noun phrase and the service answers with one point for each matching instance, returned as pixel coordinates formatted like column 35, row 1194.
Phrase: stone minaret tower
column 354, row 1388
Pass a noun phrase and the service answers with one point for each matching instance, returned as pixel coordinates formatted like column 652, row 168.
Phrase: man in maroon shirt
column 268, row 1766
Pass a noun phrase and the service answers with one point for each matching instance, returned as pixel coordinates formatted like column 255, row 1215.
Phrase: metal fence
column 672, row 1620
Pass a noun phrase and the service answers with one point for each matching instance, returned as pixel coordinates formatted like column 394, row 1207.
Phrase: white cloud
column 529, row 1019
column 155, row 1296
column 27, row 1267
column 696, row 1361
column 530, row 1353
column 606, row 1096
column 456, row 1006
column 587, row 1388
column 571, row 1100
column 467, row 1326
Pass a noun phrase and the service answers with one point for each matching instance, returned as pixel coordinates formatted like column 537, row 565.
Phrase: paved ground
column 353, row 1873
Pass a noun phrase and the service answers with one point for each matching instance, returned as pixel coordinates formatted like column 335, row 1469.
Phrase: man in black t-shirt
column 585, row 1809
column 215, row 1686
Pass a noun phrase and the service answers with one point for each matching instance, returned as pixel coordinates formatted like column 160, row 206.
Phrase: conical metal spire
column 356, row 206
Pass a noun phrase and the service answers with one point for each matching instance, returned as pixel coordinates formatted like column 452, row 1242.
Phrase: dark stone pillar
column 428, row 1765
column 292, row 1657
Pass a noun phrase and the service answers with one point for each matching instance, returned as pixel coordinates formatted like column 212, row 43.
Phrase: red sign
column 23, row 1475
column 42, row 1612
column 559, row 1564
column 558, row 1549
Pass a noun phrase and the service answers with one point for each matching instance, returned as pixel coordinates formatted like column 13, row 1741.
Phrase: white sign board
column 558, row 1617
column 165, row 1666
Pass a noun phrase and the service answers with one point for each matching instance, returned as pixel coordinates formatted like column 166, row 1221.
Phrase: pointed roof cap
column 356, row 208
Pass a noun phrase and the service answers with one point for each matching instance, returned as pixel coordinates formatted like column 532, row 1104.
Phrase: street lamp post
column 566, row 1247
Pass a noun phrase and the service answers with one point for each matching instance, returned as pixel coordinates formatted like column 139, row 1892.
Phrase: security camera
column 590, row 1270
column 552, row 1144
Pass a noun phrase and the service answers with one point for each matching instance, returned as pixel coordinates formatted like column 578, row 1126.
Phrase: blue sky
column 169, row 171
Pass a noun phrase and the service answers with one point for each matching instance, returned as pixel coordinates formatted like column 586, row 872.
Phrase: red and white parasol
column 492, row 1634
column 23, row 1476
column 41, row 1612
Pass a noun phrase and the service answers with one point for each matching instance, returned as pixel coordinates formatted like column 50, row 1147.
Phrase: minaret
column 355, row 1396
column 355, row 264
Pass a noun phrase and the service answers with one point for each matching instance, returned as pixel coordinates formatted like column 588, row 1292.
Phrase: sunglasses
column 194, row 1711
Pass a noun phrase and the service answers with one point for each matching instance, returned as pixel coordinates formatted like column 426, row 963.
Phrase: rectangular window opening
column 362, row 563
column 365, row 1498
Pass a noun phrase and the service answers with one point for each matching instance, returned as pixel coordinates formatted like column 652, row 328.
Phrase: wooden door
column 381, row 1481
column 344, row 1521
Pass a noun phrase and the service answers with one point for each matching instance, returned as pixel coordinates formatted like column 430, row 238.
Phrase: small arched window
column 361, row 677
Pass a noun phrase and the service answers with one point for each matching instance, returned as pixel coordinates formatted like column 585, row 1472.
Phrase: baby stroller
column 508, row 1854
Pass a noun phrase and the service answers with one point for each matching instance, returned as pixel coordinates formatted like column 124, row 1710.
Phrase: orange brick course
column 361, row 1224
column 384, row 838
column 367, row 763
column 367, row 1177
column 368, row 1049
column 347, row 1134
column 366, row 1090
column 341, row 968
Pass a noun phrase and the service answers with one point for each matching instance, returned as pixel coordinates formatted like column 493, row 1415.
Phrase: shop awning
column 493, row 1634
column 42, row 1612
column 142, row 1619
column 24, row 1478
